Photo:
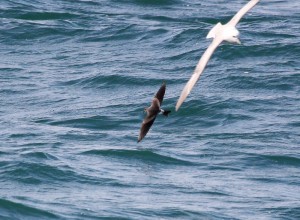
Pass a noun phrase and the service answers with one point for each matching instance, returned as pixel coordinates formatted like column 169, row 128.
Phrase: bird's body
column 153, row 111
column 227, row 32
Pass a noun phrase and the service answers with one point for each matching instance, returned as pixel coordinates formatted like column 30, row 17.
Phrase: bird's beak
column 238, row 41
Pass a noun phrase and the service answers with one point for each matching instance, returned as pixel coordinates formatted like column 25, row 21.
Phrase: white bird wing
column 199, row 69
column 242, row 12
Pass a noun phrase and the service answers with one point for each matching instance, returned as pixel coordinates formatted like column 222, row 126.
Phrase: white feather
column 242, row 12
column 213, row 32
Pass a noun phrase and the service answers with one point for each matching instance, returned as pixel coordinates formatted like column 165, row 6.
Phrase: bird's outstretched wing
column 146, row 125
column 161, row 93
column 199, row 69
column 242, row 12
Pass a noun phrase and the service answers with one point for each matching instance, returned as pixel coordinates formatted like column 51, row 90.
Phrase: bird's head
column 231, row 35
column 235, row 39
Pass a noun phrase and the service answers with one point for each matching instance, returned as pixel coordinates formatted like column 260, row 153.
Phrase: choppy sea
column 76, row 75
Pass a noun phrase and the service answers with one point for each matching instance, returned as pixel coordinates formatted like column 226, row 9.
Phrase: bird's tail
column 165, row 112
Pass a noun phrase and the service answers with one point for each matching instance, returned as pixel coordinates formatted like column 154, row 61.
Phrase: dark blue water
column 76, row 76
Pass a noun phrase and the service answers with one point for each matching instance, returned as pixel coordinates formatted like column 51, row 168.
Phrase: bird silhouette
column 153, row 111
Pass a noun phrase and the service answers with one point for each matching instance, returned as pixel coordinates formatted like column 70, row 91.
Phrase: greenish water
column 76, row 76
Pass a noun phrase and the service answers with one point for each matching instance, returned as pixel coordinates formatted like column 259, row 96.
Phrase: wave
column 38, row 155
column 122, row 81
column 37, row 173
column 46, row 16
column 121, row 32
column 261, row 160
column 107, row 80
column 143, row 155
column 94, row 122
column 248, row 81
column 290, row 212
column 282, row 160
column 17, row 210
column 40, row 173
column 148, row 2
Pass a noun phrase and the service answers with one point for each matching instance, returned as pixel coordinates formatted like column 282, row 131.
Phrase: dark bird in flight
column 153, row 111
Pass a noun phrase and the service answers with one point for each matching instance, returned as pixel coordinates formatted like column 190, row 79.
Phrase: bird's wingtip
column 185, row 92
column 179, row 103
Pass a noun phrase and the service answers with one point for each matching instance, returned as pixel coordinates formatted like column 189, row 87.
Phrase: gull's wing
column 199, row 69
column 146, row 125
column 161, row 93
column 242, row 12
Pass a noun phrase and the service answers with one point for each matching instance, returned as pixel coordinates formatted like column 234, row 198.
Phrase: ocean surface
column 77, row 75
